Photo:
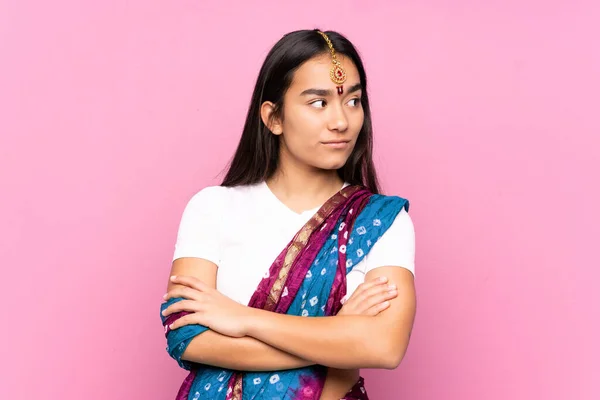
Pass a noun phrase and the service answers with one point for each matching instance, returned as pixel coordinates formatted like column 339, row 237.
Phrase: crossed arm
column 263, row 340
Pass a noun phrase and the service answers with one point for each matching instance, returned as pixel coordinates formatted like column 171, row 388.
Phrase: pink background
column 114, row 113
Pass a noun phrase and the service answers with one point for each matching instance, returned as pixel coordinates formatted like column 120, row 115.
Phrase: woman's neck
column 304, row 189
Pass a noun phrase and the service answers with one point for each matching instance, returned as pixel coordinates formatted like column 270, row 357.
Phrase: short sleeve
column 396, row 247
column 198, row 234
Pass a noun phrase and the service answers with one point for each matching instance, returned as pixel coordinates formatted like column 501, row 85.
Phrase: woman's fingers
column 183, row 305
column 185, row 320
column 380, row 298
column 377, row 308
column 373, row 283
column 366, row 295
column 190, row 281
column 187, row 287
column 362, row 289
column 375, row 291
column 183, row 291
column 366, row 302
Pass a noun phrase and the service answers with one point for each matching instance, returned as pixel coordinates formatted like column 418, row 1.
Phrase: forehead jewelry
column 337, row 73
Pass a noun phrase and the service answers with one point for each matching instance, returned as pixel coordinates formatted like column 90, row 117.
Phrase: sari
column 308, row 279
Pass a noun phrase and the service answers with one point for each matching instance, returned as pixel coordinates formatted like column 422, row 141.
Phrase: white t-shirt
column 243, row 229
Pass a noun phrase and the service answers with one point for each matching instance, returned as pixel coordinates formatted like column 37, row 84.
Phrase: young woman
column 294, row 273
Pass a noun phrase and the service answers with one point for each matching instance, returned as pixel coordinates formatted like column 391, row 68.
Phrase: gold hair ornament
column 337, row 73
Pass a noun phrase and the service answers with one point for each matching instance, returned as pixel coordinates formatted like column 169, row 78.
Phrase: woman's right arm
column 212, row 348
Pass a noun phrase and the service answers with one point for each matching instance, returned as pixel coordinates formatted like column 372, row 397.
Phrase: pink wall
column 114, row 113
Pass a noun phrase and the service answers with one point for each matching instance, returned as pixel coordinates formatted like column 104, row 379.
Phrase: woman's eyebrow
column 327, row 92
column 354, row 88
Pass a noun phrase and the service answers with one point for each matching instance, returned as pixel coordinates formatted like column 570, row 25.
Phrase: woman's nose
column 339, row 121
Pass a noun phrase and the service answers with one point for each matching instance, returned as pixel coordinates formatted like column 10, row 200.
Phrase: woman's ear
column 266, row 114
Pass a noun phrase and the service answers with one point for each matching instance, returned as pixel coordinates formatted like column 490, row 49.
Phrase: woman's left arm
column 345, row 341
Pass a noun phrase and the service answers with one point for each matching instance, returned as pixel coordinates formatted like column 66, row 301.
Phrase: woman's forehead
column 314, row 73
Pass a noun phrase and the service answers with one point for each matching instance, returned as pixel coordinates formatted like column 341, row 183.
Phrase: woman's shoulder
column 208, row 195
column 220, row 196
column 388, row 214
column 396, row 245
column 392, row 210
column 385, row 201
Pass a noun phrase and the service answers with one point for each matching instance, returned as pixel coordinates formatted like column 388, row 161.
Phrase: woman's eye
column 356, row 102
column 318, row 104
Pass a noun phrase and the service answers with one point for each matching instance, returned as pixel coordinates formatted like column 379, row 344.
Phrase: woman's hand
column 208, row 307
column 218, row 312
column 369, row 298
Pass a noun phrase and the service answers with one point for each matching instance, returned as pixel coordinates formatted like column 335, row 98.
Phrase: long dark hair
column 257, row 155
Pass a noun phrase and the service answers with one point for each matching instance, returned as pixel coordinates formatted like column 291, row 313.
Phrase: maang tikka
column 337, row 73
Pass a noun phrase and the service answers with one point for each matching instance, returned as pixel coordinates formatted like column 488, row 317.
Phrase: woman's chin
column 332, row 163
column 331, row 166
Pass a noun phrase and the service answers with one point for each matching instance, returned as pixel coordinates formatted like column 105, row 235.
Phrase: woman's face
column 320, row 127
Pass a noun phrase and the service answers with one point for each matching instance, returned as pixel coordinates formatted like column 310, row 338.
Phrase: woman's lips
column 337, row 144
